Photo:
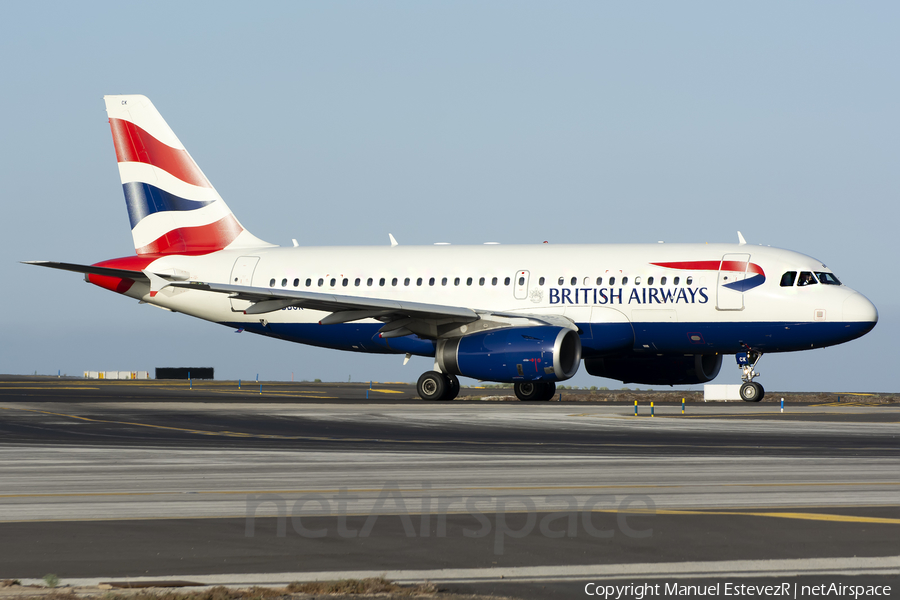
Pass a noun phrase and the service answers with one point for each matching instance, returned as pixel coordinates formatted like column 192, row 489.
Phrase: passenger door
column 732, row 271
column 242, row 274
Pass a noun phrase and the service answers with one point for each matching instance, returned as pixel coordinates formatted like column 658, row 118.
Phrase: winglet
column 741, row 240
column 393, row 241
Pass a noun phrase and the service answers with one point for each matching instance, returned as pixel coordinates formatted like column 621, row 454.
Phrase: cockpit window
column 806, row 278
column 827, row 278
column 787, row 280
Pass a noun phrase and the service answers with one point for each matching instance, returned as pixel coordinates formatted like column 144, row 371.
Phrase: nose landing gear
column 750, row 390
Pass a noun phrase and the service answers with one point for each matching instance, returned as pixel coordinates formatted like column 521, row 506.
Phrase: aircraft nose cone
column 858, row 309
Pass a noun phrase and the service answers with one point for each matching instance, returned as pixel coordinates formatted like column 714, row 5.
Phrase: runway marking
column 778, row 515
column 720, row 569
column 388, row 391
column 836, row 404
column 472, row 443
column 775, row 412
column 546, row 488
column 16, row 387
column 825, row 517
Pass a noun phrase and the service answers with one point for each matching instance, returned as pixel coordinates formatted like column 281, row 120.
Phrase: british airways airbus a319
column 660, row 314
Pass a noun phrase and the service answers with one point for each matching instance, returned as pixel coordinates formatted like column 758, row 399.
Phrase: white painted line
column 887, row 565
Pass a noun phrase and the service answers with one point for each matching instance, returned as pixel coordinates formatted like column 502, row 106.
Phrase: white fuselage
column 593, row 285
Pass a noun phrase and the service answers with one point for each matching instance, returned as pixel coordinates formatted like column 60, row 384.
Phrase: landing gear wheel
column 528, row 391
column 452, row 390
column 432, row 386
column 549, row 391
column 752, row 392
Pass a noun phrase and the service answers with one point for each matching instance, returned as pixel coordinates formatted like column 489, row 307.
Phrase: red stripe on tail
column 133, row 144
column 117, row 284
column 196, row 240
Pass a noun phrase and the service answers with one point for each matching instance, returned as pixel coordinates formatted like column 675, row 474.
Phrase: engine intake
column 515, row 354
column 657, row 370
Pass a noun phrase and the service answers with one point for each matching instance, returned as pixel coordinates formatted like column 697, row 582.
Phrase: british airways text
column 647, row 295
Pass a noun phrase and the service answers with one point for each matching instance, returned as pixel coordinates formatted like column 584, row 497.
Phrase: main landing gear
column 527, row 391
column 433, row 385
column 437, row 386
column 750, row 390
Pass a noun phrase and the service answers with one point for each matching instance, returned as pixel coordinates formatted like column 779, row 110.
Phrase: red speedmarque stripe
column 713, row 265
column 133, row 144
column 195, row 240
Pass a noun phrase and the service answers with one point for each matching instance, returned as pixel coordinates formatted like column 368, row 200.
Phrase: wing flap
column 357, row 307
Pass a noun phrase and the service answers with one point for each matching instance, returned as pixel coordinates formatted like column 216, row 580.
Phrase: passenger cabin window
column 599, row 281
column 662, row 281
column 333, row 281
column 419, row 281
column 321, row 282
column 456, row 281
column 468, row 281
column 676, row 281
column 443, row 281
column 624, row 281
column 394, row 281
column 357, row 282
column 369, row 282
column 827, row 278
column 406, row 281
column 506, row 281
column 308, row 282
column 649, row 281
column 541, row 281
column 271, row 283
column 689, row 281
column 381, row 281
column 637, row 280
column 521, row 281
column 787, row 280
column 562, row 281
column 345, row 282
column 297, row 282
column 612, row 281
column 431, row 281
column 806, row 278
column 574, row 281
column 494, row 281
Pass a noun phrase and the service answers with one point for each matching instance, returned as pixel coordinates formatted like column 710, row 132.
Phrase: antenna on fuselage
column 393, row 241
column 741, row 240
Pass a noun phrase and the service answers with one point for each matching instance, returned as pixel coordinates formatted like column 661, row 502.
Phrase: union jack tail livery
column 173, row 207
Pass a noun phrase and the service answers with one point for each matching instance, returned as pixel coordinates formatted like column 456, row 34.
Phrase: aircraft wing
column 400, row 317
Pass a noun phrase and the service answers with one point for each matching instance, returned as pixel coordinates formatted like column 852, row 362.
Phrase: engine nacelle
column 657, row 370
column 513, row 354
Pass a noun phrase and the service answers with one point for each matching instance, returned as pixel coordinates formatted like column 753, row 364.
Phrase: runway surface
column 128, row 479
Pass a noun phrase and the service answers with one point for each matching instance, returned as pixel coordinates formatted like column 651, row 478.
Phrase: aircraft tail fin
column 173, row 207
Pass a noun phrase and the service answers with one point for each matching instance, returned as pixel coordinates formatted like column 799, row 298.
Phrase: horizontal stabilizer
column 90, row 269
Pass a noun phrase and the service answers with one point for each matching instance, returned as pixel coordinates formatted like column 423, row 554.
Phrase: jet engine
column 542, row 353
column 657, row 370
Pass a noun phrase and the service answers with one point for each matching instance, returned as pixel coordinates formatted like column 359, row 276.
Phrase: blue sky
column 465, row 122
